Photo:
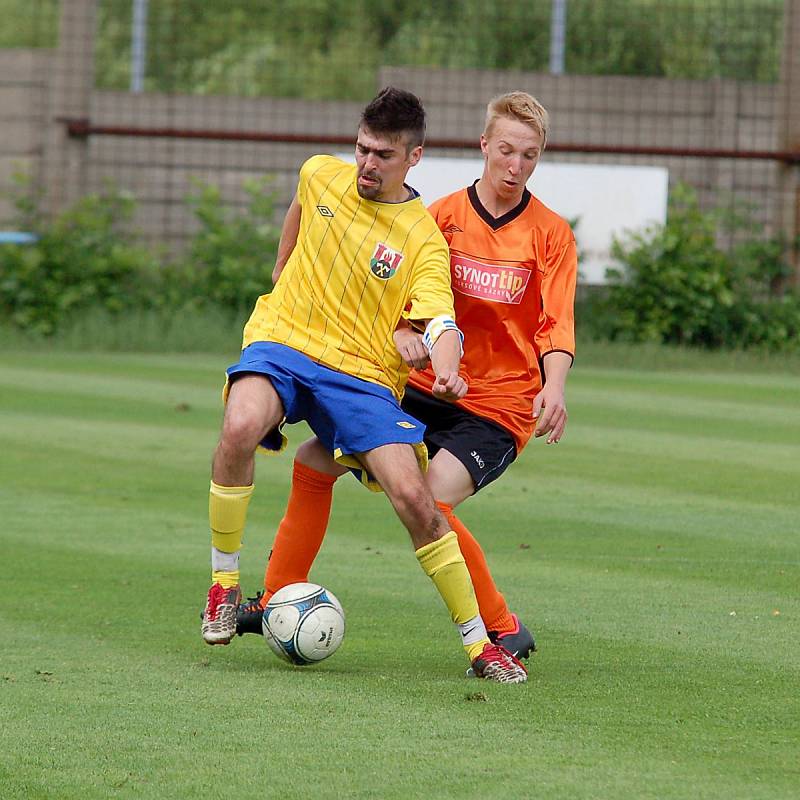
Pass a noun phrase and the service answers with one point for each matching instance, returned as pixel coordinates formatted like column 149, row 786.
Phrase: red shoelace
column 496, row 653
column 216, row 594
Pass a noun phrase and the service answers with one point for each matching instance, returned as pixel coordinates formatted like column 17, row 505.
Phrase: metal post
column 558, row 34
column 788, row 119
column 138, row 45
column 71, row 84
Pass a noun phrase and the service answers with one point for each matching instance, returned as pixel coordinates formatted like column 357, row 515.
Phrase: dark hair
column 396, row 112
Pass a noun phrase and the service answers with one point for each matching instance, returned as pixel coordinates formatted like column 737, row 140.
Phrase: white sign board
column 606, row 200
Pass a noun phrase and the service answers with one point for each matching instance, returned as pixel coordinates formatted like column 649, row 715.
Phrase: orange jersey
column 513, row 282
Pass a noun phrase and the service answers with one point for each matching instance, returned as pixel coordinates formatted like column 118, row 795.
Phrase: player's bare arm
column 549, row 405
column 410, row 346
column 289, row 233
column 445, row 359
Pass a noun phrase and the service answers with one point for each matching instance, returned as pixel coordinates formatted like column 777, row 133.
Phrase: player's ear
column 484, row 145
column 414, row 156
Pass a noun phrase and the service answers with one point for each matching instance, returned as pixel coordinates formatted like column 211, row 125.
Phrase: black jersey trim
column 413, row 195
column 495, row 223
column 554, row 350
column 559, row 350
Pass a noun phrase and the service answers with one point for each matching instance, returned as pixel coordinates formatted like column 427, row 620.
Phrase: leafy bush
column 229, row 261
column 677, row 285
column 83, row 258
column 87, row 258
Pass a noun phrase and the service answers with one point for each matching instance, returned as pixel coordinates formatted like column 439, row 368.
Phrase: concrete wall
column 627, row 112
column 23, row 118
column 161, row 172
column 638, row 112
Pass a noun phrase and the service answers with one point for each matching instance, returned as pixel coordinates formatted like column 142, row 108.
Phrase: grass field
column 655, row 552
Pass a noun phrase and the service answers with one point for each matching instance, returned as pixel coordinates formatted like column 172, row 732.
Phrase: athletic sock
column 227, row 512
column 492, row 604
column 444, row 565
column 301, row 530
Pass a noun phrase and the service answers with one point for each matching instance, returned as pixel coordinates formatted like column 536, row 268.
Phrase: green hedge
column 677, row 285
column 674, row 284
column 87, row 259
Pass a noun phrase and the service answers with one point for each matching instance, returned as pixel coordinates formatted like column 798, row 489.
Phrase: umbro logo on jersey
column 384, row 261
column 325, row 211
column 453, row 229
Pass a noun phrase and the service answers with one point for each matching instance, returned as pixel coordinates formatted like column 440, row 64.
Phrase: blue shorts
column 348, row 415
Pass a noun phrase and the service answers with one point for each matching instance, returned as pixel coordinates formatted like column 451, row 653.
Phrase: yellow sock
column 227, row 512
column 445, row 566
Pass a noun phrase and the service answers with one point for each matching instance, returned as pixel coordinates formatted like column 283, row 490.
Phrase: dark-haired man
column 358, row 250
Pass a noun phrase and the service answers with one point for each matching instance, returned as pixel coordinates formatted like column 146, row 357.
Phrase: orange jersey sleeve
column 513, row 284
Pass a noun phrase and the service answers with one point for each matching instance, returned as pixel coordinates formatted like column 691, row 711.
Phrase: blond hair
column 520, row 106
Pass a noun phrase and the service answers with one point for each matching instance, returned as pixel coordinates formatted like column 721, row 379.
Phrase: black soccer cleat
column 249, row 616
column 520, row 642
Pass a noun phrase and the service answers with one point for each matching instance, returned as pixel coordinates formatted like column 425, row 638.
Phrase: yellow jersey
column 357, row 265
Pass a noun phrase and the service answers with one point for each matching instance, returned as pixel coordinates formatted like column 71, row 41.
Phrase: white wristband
column 436, row 327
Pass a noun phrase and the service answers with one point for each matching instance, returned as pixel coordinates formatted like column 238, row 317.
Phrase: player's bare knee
column 414, row 502
column 241, row 433
column 312, row 453
column 306, row 452
column 407, row 494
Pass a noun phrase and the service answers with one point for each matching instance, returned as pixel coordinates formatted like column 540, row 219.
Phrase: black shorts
column 485, row 448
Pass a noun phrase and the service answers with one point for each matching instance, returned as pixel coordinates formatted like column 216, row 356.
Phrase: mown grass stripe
column 626, row 547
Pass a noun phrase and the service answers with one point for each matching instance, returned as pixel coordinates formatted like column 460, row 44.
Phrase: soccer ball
column 303, row 623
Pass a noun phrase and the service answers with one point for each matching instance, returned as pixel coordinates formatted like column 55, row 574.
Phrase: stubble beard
column 370, row 192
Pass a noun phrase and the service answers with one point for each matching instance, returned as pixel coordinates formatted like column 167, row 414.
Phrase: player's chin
column 370, row 191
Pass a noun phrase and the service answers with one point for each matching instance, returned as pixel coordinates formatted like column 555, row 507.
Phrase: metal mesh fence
column 156, row 95
column 334, row 50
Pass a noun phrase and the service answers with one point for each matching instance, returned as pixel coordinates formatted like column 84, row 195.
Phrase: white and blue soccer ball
column 303, row 623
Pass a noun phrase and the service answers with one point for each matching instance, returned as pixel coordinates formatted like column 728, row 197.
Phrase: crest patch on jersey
column 499, row 284
column 384, row 261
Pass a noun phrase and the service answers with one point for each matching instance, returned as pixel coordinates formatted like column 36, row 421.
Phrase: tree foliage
column 333, row 49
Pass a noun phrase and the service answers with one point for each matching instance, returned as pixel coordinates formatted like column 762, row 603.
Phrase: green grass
column 215, row 331
column 655, row 552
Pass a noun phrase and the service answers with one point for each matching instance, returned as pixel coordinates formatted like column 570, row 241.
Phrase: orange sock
column 301, row 531
column 491, row 603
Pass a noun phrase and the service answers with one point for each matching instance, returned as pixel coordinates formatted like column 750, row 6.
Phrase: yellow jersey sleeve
column 431, row 295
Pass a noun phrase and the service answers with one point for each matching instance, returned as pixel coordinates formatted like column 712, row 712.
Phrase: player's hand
column 449, row 386
column 409, row 344
column 550, row 413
